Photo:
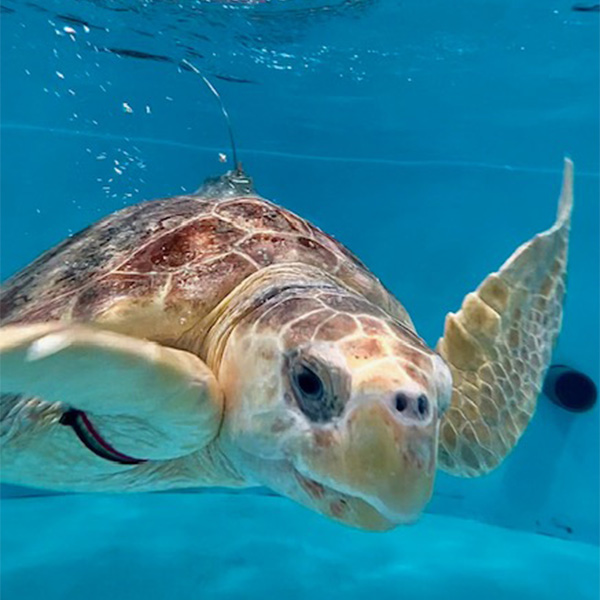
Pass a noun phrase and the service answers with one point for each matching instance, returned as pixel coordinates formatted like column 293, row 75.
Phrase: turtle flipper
column 499, row 345
column 130, row 401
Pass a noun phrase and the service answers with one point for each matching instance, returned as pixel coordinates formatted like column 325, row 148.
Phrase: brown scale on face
column 334, row 404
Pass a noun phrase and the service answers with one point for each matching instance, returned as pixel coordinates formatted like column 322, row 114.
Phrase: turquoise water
column 427, row 137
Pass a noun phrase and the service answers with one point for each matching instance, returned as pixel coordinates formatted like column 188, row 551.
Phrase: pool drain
column 570, row 389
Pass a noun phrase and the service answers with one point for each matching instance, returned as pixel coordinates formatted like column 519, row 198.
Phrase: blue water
column 428, row 137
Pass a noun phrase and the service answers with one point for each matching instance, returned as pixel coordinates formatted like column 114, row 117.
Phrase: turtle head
column 331, row 402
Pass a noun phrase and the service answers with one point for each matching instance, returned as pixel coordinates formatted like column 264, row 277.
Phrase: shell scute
column 254, row 214
column 267, row 248
column 206, row 283
column 194, row 241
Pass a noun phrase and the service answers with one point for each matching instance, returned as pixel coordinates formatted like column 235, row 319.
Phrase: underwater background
column 426, row 136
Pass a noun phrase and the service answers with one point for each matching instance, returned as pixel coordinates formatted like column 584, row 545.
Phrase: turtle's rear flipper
column 79, row 403
column 499, row 346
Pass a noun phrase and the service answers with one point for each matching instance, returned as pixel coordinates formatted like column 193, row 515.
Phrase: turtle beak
column 380, row 458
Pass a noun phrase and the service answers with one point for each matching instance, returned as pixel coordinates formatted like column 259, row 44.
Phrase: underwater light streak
column 292, row 155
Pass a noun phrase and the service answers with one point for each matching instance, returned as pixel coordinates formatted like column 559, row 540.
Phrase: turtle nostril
column 422, row 405
column 413, row 408
column 401, row 402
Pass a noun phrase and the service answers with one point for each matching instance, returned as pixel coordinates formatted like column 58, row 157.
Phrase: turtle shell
column 154, row 268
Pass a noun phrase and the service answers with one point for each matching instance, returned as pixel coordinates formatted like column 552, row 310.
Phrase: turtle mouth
column 349, row 509
column 88, row 435
column 352, row 509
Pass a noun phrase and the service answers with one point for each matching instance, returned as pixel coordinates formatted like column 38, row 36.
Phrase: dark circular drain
column 570, row 389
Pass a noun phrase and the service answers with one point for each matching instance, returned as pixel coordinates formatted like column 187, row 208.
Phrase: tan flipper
column 143, row 400
column 499, row 346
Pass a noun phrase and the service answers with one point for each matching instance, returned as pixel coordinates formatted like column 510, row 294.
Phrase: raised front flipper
column 80, row 406
column 499, row 346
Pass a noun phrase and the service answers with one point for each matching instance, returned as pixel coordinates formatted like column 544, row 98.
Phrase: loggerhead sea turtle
column 217, row 339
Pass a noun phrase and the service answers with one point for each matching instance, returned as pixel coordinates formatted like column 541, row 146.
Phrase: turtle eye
column 313, row 391
column 309, row 383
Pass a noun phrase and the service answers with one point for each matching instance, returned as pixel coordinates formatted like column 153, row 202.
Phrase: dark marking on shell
column 197, row 240
column 67, row 269
column 269, row 248
column 251, row 214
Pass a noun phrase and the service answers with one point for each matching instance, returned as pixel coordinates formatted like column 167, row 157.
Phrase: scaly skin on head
column 321, row 390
